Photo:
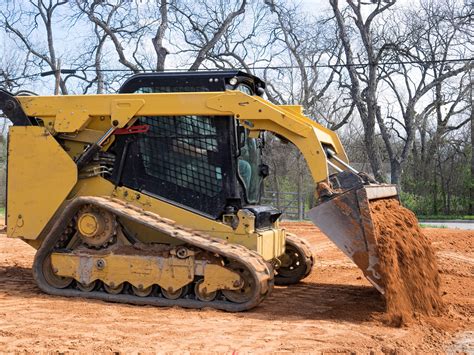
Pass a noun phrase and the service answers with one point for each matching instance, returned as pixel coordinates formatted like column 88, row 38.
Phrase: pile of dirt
column 334, row 310
column 407, row 263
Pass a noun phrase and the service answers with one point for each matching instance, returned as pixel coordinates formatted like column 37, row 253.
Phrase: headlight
column 233, row 81
column 245, row 89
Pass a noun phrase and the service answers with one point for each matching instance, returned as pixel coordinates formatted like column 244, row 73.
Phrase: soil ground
column 335, row 310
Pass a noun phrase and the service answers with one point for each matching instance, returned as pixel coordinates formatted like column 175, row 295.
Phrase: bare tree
column 203, row 25
column 364, row 81
column 186, row 30
column 427, row 37
column 27, row 22
column 13, row 71
column 245, row 43
column 158, row 39
column 301, row 50
column 119, row 21
column 471, row 182
column 309, row 51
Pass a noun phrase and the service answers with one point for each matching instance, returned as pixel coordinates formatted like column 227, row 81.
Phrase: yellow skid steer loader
column 152, row 195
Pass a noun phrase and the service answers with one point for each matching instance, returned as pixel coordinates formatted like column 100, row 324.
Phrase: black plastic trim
column 265, row 216
column 207, row 80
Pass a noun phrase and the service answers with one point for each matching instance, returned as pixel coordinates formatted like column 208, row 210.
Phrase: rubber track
column 309, row 259
column 261, row 271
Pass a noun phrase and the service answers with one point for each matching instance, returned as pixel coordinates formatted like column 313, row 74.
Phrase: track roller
column 114, row 290
column 208, row 265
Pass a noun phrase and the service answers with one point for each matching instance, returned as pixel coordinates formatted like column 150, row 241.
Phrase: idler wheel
column 244, row 294
column 50, row 276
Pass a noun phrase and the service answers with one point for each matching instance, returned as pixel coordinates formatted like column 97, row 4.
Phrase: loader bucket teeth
column 347, row 222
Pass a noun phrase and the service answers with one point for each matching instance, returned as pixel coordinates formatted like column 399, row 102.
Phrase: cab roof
column 212, row 80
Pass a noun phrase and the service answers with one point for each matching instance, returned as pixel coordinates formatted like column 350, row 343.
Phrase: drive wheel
column 142, row 292
column 245, row 293
column 201, row 295
column 114, row 290
column 87, row 287
column 51, row 278
column 295, row 263
column 173, row 295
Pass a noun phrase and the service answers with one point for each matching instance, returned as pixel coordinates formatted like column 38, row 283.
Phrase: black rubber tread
column 305, row 249
column 261, row 271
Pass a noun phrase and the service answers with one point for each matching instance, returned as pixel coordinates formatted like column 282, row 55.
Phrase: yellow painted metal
column 40, row 176
column 140, row 271
column 89, row 224
column 254, row 112
column 258, row 114
column 293, row 108
column 34, row 243
column 217, row 277
column 163, row 104
column 143, row 271
column 123, row 110
column 254, row 134
column 84, row 136
column 246, row 222
column 70, row 120
column 269, row 243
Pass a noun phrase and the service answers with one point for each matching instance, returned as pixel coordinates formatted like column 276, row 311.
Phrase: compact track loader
column 152, row 195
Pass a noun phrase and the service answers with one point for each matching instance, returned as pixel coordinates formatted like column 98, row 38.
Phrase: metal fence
column 294, row 206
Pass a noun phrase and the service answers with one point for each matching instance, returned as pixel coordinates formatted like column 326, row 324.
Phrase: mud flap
column 347, row 222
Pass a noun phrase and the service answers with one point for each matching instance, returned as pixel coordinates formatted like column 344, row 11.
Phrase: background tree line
column 394, row 78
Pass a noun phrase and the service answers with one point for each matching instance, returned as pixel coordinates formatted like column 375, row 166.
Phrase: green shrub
column 418, row 204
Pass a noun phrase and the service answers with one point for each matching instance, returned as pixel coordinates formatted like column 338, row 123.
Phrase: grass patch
column 422, row 225
column 2, row 211
column 446, row 218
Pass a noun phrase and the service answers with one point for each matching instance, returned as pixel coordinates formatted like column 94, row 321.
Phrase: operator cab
column 208, row 164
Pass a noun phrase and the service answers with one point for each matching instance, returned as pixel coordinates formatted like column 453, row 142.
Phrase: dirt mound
column 335, row 310
column 407, row 263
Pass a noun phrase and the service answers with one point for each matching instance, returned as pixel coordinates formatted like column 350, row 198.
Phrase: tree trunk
column 365, row 99
column 442, row 185
column 395, row 172
column 57, row 75
column 435, row 194
column 471, row 182
column 372, row 153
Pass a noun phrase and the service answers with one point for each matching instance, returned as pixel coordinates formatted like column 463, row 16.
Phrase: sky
column 65, row 41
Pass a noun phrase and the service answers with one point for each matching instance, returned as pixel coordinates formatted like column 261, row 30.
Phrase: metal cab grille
column 183, row 150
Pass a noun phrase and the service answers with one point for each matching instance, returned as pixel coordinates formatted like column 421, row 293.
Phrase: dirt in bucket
column 407, row 263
